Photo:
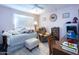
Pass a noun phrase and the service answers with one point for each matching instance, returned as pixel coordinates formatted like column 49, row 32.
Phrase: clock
column 53, row 17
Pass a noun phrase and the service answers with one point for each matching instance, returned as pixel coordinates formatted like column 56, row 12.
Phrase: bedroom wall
column 60, row 22
column 6, row 18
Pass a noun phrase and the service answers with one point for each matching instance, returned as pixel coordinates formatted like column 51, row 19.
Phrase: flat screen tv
column 72, row 28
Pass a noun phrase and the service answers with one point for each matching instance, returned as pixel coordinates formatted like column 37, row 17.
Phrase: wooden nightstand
column 4, row 44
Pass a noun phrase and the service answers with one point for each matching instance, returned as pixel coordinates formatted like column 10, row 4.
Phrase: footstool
column 31, row 43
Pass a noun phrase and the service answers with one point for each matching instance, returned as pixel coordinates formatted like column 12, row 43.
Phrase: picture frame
column 44, row 19
column 66, row 15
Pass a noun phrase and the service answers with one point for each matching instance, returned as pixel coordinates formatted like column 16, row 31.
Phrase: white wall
column 60, row 22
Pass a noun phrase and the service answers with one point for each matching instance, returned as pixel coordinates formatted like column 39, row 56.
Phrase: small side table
column 4, row 44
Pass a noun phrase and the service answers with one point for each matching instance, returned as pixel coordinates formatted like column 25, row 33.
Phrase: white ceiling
column 28, row 7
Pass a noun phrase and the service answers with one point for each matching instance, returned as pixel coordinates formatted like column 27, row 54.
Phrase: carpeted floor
column 41, row 50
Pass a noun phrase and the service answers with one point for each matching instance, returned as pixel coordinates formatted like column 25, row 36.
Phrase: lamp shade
column 35, row 23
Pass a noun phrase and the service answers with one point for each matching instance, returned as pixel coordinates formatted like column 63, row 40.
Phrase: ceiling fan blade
column 36, row 5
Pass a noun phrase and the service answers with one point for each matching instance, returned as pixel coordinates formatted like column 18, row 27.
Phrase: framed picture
column 66, row 15
column 44, row 19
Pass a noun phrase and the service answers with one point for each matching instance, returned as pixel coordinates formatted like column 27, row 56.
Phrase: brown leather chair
column 43, row 34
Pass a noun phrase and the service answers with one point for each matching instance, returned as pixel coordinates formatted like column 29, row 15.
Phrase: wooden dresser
column 55, row 43
column 56, row 49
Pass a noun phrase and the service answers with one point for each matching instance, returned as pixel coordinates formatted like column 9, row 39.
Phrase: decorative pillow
column 14, row 32
column 23, row 31
column 7, row 34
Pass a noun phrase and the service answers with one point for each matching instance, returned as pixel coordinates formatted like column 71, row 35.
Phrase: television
column 72, row 28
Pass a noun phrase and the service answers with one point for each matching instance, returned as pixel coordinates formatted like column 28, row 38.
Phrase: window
column 21, row 21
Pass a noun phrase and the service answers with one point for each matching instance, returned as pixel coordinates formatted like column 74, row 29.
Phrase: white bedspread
column 16, row 39
column 20, row 38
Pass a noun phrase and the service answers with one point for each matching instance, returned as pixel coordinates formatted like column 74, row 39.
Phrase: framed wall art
column 66, row 15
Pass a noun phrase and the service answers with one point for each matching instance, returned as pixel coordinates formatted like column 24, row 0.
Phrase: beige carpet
column 41, row 50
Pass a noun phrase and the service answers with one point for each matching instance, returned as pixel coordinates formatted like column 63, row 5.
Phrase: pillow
column 26, row 31
column 18, row 29
column 13, row 32
column 23, row 31
column 7, row 34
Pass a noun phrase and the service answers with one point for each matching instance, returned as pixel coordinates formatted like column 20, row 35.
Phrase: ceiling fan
column 37, row 9
column 37, row 6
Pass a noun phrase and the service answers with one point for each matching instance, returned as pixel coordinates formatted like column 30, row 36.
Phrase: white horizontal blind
column 21, row 21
